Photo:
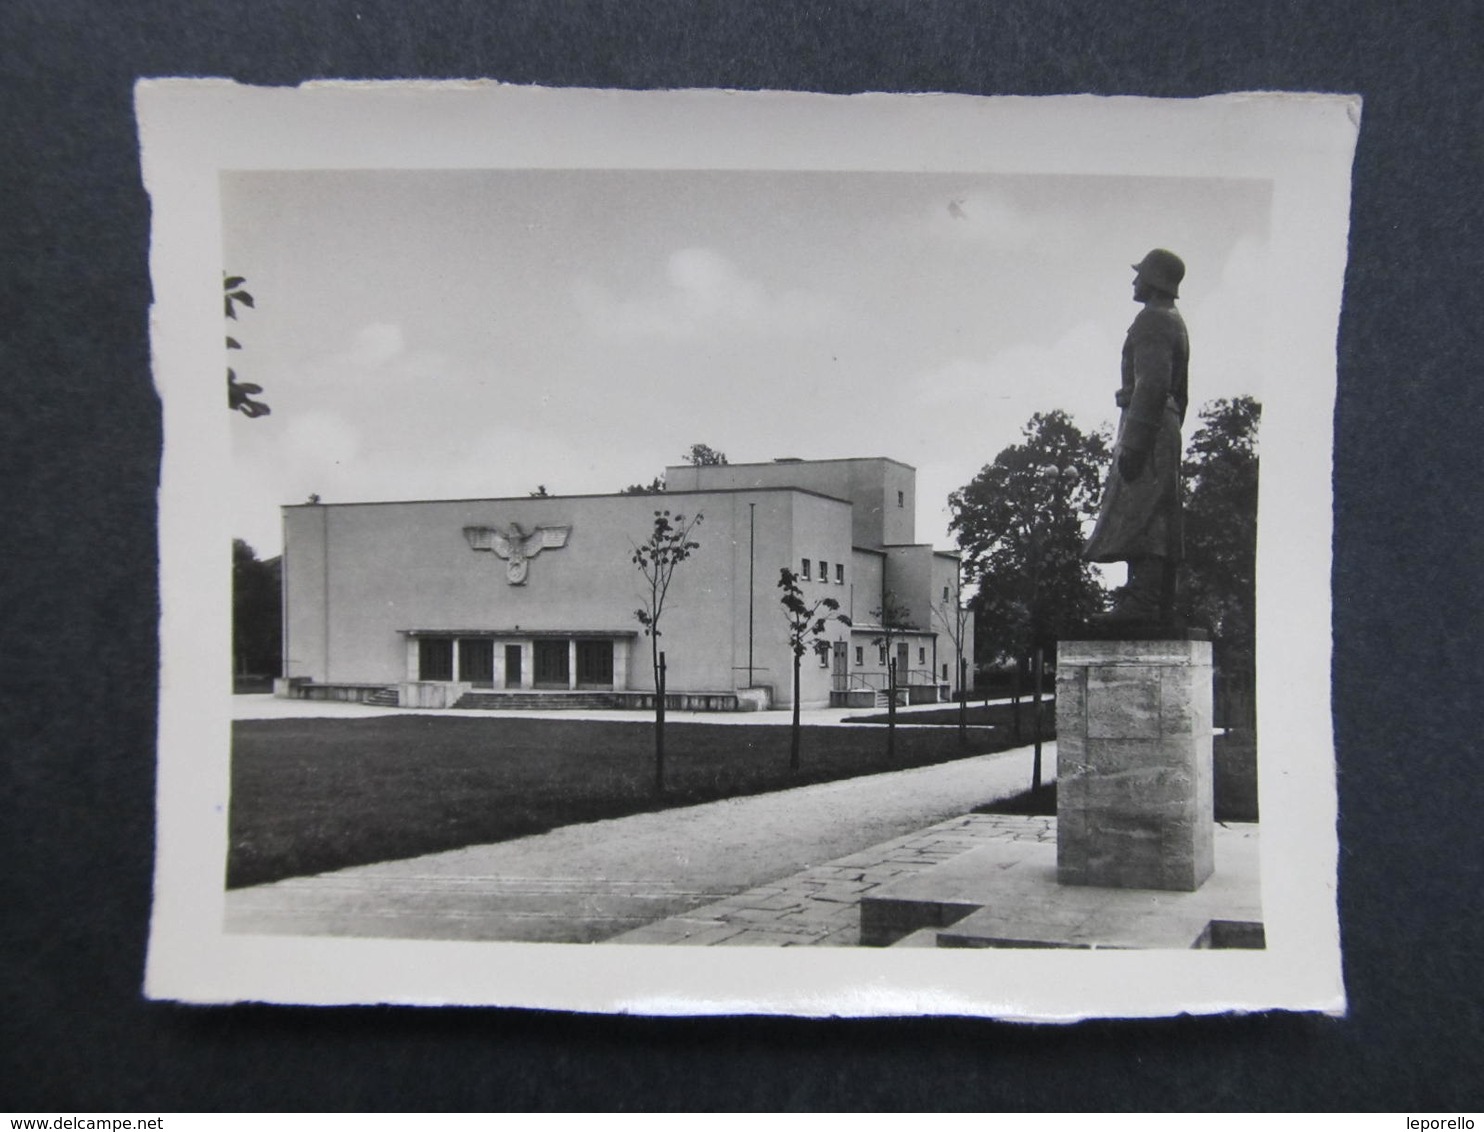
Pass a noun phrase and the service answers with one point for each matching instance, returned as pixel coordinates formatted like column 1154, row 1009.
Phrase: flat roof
column 594, row 495
column 594, row 633
column 788, row 461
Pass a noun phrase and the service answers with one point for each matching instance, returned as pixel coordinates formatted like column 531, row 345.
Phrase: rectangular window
column 477, row 661
column 435, row 658
column 901, row 499
column 595, row 664
column 824, row 570
column 860, row 654
column 945, row 673
column 805, row 573
column 945, row 593
column 921, row 655
column 551, row 666
column 824, row 659
column 839, row 573
column 882, row 658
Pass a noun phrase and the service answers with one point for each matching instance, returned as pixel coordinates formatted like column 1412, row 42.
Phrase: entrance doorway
column 512, row 666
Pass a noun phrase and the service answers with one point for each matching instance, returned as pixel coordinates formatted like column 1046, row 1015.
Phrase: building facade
column 440, row 603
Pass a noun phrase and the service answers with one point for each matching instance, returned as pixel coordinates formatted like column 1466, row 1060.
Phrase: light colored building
column 441, row 602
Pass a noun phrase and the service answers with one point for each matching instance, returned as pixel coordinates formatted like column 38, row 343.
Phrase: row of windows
column 860, row 654
column 551, row 666
column 824, row 571
column 825, row 660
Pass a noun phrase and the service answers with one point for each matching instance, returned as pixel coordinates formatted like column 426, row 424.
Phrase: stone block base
column 1134, row 777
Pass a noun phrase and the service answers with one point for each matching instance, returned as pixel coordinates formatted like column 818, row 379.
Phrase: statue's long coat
column 1141, row 517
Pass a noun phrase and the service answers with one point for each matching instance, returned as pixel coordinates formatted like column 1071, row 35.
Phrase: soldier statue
column 1139, row 521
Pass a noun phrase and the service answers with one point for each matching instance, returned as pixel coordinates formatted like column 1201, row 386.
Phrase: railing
column 876, row 681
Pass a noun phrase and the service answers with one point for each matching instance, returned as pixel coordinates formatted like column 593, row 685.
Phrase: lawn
column 315, row 794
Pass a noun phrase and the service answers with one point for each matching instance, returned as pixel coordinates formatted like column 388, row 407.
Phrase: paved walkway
column 820, row 907
column 599, row 880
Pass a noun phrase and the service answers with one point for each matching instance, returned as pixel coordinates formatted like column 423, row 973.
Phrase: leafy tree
column 703, row 455
column 1020, row 526
column 1220, row 471
column 893, row 618
column 257, row 613
column 540, row 492
column 700, row 456
column 240, row 394
column 806, row 626
column 668, row 545
column 654, row 487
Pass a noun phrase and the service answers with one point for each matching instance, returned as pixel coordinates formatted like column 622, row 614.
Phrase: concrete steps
column 536, row 701
column 557, row 700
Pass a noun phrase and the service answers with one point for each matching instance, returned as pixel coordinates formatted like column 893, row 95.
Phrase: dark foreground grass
column 1039, row 802
column 314, row 794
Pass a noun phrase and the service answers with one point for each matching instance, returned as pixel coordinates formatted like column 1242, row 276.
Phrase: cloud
column 319, row 439
column 704, row 293
column 373, row 361
column 1078, row 373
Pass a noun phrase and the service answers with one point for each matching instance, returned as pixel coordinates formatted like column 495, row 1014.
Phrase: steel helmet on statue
column 1163, row 270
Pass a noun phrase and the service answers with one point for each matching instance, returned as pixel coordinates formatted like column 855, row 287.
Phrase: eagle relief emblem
column 516, row 546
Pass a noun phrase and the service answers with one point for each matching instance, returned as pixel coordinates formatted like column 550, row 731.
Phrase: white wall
column 358, row 576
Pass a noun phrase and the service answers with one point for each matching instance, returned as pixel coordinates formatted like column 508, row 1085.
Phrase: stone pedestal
column 1133, row 764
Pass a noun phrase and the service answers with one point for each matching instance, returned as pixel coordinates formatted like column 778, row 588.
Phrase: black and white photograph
column 696, row 552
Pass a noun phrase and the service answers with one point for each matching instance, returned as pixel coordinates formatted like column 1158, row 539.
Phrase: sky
column 477, row 333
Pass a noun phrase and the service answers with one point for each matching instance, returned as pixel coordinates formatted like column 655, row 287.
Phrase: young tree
column 806, row 626
column 668, row 545
column 240, row 394
column 954, row 616
column 1020, row 526
column 893, row 618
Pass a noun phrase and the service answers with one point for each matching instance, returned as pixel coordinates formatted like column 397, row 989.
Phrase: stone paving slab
column 1014, row 900
column 995, row 888
column 820, row 906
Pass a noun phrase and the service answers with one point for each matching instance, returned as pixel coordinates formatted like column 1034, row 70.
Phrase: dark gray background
column 80, row 453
